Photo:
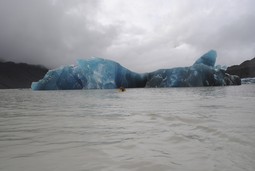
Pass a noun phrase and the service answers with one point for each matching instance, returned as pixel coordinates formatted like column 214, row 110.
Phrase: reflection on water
column 207, row 128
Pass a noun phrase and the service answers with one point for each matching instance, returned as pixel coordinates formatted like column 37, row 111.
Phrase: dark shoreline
column 245, row 70
column 19, row 75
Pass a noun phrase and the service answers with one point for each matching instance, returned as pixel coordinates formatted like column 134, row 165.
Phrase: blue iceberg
column 202, row 73
column 94, row 73
column 98, row 73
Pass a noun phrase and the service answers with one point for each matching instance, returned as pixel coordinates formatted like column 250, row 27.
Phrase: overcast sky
column 142, row 35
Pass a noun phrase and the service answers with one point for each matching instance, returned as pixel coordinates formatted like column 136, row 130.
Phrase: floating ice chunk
column 196, row 75
column 94, row 73
column 248, row 80
column 64, row 78
column 98, row 73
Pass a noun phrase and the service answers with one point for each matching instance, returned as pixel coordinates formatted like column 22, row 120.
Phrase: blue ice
column 98, row 73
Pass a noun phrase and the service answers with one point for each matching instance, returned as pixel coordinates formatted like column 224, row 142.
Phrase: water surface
column 206, row 128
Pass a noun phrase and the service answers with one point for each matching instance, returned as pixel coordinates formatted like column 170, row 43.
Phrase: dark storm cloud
column 50, row 33
column 142, row 35
column 28, row 30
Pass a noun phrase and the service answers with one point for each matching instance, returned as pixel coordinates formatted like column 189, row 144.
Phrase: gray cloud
column 142, row 35
column 50, row 34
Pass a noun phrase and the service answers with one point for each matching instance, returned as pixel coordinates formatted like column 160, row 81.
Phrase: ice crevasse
column 98, row 73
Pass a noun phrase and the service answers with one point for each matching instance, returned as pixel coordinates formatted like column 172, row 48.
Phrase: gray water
column 200, row 129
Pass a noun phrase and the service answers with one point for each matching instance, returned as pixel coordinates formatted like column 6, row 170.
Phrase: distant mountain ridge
column 19, row 75
column 244, row 70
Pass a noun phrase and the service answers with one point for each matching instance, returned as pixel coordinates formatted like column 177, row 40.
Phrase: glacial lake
column 194, row 129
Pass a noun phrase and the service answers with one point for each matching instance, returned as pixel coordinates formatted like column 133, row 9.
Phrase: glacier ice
column 98, row 73
column 94, row 73
column 201, row 73
column 208, row 59
column 248, row 80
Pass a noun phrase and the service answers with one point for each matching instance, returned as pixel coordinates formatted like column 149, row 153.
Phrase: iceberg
column 202, row 73
column 248, row 80
column 98, row 73
column 94, row 73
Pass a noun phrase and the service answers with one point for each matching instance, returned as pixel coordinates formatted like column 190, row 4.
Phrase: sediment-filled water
column 205, row 128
